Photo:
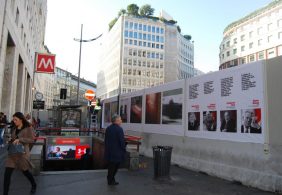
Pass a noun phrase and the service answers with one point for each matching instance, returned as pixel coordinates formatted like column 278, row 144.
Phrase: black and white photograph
column 209, row 120
column 251, row 121
column 193, row 121
column 228, row 121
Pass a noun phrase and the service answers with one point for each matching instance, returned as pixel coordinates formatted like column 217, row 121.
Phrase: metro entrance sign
column 45, row 63
column 89, row 94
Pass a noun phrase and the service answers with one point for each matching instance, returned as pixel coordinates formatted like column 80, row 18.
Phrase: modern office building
column 255, row 37
column 140, row 52
column 22, row 29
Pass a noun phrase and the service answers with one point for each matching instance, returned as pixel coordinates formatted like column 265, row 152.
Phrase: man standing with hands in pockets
column 114, row 148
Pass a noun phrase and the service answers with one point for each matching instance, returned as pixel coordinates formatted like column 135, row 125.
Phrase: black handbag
column 15, row 148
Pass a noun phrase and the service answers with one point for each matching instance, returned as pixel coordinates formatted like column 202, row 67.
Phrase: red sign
column 89, row 94
column 45, row 63
column 66, row 141
column 80, row 150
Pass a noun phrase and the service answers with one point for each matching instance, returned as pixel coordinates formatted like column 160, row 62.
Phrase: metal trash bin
column 162, row 158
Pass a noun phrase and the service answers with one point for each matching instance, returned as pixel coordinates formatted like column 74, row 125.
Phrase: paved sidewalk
column 139, row 182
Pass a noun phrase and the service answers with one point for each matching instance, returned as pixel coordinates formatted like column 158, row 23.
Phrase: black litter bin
column 162, row 158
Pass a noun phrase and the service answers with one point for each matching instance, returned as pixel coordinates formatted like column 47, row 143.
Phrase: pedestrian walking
column 18, row 151
column 114, row 148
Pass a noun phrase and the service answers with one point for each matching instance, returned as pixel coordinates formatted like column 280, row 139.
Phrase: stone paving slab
column 141, row 182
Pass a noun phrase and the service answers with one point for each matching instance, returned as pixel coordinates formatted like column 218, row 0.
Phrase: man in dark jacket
column 114, row 148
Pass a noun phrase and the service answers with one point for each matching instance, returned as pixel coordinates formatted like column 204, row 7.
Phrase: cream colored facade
column 139, row 52
column 22, row 29
column 255, row 37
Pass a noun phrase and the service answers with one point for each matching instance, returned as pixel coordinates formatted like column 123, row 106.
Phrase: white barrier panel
column 225, row 105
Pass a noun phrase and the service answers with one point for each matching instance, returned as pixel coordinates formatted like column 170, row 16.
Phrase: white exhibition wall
column 225, row 105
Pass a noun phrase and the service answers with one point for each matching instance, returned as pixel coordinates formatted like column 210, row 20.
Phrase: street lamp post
column 81, row 40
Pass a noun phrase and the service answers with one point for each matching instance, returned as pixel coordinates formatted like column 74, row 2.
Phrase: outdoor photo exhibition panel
column 164, row 109
column 227, row 105
column 131, row 111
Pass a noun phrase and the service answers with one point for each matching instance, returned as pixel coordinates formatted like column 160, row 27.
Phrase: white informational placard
column 227, row 105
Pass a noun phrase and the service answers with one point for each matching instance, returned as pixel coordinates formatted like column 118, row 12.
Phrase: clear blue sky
column 204, row 20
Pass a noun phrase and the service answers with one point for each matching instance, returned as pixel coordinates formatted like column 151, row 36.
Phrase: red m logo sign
column 45, row 63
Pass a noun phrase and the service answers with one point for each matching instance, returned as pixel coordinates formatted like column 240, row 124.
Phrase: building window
column 259, row 30
column 235, row 41
column 223, row 46
column 270, row 27
column 131, row 25
column 222, row 56
column 135, row 42
column 134, row 52
column 251, row 45
column 130, row 34
column 144, row 44
column 279, row 35
column 157, row 38
column 129, row 62
column 149, row 28
column 259, row 42
column 140, row 43
column 153, row 29
column 157, row 30
column 252, row 58
column 139, row 35
column 279, row 23
column 144, row 27
column 250, row 34
column 228, row 44
column 126, row 33
column 162, row 31
column 134, row 62
column 261, row 55
column 126, row 24
column 144, row 36
column 17, row 17
column 242, row 37
column 243, row 60
column 144, row 54
column 135, row 26
column 243, row 48
column 149, row 37
column 234, row 51
column 153, row 37
column 135, row 35
column 162, row 46
column 140, row 26
column 270, row 38
column 228, row 53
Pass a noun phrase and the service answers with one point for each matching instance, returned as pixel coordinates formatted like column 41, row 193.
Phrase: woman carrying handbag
column 18, row 151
